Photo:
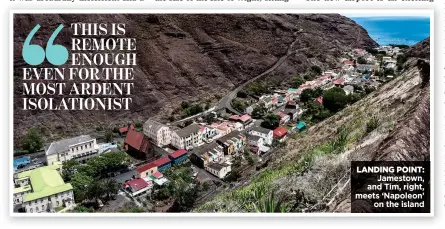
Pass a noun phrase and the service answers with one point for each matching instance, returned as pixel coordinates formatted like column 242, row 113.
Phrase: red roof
column 137, row 184
column 281, row 114
column 234, row 117
column 178, row 153
column 158, row 175
column 319, row 99
column 162, row 161
column 348, row 62
column 125, row 129
column 279, row 132
column 137, row 140
column 146, row 167
column 339, row 81
column 244, row 118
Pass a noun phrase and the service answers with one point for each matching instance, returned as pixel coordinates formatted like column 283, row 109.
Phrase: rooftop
column 22, row 189
column 188, row 130
column 125, row 129
column 137, row 184
column 217, row 166
column 261, row 129
column 63, row 145
column 136, row 140
column 153, row 124
column 280, row 132
column 178, row 153
column 45, row 181
column 253, row 137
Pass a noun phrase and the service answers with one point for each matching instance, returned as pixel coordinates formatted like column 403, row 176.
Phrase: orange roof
column 279, row 132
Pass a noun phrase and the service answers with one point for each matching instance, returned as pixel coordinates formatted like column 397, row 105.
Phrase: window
column 30, row 210
column 37, row 209
column 43, row 207
column 57, row 203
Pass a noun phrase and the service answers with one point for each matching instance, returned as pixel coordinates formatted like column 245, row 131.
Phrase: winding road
column 226, row 101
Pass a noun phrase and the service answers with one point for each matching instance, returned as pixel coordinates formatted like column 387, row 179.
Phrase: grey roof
column 204, row 148
column 153, row 124
column 253, row 137
column 229, row 136
column 348, row 88
column 63, row 145
column 188, row 130
column 261, row 130
column 217, row 166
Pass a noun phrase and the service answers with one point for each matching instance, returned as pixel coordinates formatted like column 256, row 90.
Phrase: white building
column 187, row 138
column 219, row 170
column 264, row 133
column 46, row 192
column 80, row 148
column 349, row 89
column 257, row 141
column 159, row 133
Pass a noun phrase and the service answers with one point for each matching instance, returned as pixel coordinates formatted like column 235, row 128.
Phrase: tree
column 33, row 141
column 241, row 94
column 239, row 105
column 96, row 190
column 361, row 60
column 81, row 184
column 112, row 187
column 271, row 121
column 209, row 118
column 69, row 168
column 306, row 95
column 297, row 81
column 108, row 135
column 258, row 112
column 335, row 99
column 184, row 104
column 316, row 69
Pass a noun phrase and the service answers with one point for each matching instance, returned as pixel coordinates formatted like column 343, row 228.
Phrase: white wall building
column 159, row 133
column 187, row 138
column 80, row 148
column 219, row 170
column 264, row 133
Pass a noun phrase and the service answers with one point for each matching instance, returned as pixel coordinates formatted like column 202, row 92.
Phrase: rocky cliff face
column 310, row 175
column 189, row 57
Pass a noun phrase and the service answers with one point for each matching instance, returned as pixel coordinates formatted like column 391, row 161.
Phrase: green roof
column 46, row 181
column 22, row 189
column 28, row 172
column 292, row 89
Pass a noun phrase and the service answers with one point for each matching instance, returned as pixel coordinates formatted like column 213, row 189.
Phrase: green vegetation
column 372, row 124
column 109, row 135
column 361, row 60
column 132, row 210
column 259, row 112
column 271, row 121
column 239, row 105
column 209, row 118
column 335, row 99
column 268, row 204
column 190, row 110
column 401, row 59
column 316, row 69
column 33, row 141
column 257, row 88
column 91, row 181
column 297, row 81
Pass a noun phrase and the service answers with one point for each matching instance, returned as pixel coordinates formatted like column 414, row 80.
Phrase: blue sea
column 395, row 29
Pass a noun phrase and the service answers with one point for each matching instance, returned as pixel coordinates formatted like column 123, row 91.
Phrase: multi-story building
column 187, row 138
column 44, row 190
column 264, row 133
column 159, row 133
column 232, row 143
column 80, row 148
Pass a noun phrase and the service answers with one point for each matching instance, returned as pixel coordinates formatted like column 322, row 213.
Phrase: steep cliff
column 189, row 57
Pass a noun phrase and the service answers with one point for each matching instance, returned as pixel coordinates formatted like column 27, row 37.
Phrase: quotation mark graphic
column 35, row 55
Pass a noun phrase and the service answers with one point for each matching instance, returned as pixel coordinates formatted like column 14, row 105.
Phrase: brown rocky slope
column 189, row 57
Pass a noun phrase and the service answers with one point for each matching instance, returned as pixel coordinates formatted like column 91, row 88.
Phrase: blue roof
column 20, row 161
column 301, row 125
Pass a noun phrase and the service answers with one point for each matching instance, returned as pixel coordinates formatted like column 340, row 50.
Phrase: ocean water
column 395, row 30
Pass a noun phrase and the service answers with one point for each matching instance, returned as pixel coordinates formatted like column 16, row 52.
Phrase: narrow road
column 226, row 101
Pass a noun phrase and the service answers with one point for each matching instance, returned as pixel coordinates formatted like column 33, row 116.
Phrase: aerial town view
column 230, row 114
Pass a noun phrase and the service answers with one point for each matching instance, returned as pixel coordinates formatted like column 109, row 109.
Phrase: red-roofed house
column 137, row 145
column 319, row 99
column 178, row 157
column 280, row 133
column 147, row 170
column 157, row 175
column 163, row 163
column 124, row 130
column 234, row 117
column 284, row 117
column 339, row 82
column 348, row 62
column 136, row 186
